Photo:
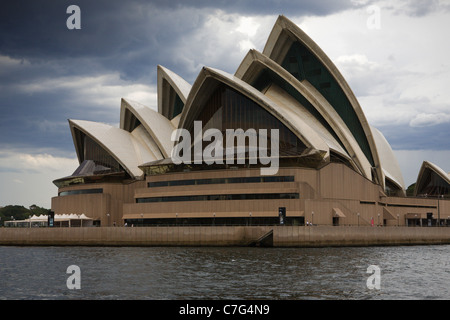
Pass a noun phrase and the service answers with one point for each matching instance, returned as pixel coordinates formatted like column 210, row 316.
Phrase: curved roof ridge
column 437, row 169
column 427, row 165
column 159, row 127
column 277, row 94
column 274, row 51
column 283, row 113
column 247, row 72
column 142, row 135
column 388, row 159
column 120, row 144
column 180, row 86
column 176, row 120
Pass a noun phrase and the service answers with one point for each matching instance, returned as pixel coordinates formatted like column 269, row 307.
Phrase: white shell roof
column 388, row 160
column 286, row 101
column 159, row 127
column 427, row 165
column 277, row 45
column 177, row 83
column 151, row 139
column 284, row 113
column 255, row 61
column 121, row 144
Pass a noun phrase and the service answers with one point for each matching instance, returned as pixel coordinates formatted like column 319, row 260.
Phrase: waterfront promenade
column 267, row 236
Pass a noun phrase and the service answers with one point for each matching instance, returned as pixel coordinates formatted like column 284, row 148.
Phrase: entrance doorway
column 335, row 221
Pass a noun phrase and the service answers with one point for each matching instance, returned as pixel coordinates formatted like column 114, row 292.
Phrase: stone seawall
column 277, row 236
column 358, row 236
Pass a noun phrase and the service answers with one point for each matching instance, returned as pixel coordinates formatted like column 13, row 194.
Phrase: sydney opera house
column 333, row 167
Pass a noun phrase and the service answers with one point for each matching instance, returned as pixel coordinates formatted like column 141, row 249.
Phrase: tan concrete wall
column 283, row 236
column 333, row 186
column 358, row 236
column 337, row 181
column 225, row 208
column 207, row 209
column 416, row 206
column 145, row 236
column 94, row 205
column 444, row 209
column 98, row 206
column 323, row 212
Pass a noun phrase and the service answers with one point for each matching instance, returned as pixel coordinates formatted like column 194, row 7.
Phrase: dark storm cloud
column 34, row 120
column 123, row 34
column 302, row 8
column 128, row 38
column 36, row 31
column 405, row 137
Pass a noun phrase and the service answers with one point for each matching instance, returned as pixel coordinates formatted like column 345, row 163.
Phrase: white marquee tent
column 61, row 220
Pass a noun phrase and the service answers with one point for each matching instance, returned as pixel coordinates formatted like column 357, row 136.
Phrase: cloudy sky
column 394, row 55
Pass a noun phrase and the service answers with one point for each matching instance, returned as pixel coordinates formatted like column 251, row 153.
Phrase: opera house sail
column 284, row 131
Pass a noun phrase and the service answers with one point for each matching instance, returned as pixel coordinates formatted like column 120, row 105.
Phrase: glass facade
column 229, row 109
column 304, row 65
column 97, row 165
column 267, row 77
column 253, row 196
column 392, row 189
column 433, row 185
column 189, row 182
column 212, row 221
column 134, row 122
column 83, row 191
column 178, row 106
column 92, row 151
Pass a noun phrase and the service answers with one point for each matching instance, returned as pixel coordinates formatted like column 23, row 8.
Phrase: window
column 220, row 181
column 93, row 151
column 309, row 67
column 229, row 109
column 433, row 185
column 253, row 196
column 178, row 106
column 84, row 191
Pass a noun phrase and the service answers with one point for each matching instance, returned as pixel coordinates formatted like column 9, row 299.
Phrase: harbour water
column 109, row 273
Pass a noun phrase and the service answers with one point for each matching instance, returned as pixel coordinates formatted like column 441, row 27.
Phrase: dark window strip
column 83, row 191
column 220, row 181
column 254, row 196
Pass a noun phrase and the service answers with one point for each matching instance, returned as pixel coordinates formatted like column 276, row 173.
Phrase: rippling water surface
column 412, row 272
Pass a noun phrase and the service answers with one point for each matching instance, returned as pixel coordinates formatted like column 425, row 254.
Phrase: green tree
column 14, row 212
column 36, row 210
column 410, row 190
